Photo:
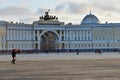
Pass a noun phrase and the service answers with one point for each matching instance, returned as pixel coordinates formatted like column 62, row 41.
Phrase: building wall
column 77, row 39
column 23, row 36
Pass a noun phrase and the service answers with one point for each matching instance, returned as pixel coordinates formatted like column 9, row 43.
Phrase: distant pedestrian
column 46, row 51
column 98, row 51
column 13, row 56
column 57, row 51
column 77, row 52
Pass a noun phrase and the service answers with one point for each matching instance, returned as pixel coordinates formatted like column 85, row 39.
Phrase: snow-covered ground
column 62, row 56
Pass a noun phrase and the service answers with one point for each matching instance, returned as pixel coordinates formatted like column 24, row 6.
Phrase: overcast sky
column 67, row 10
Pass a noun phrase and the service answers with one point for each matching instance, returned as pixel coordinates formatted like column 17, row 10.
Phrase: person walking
column 77, row 52
column 13, row 56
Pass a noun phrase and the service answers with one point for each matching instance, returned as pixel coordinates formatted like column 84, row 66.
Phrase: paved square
column 95, row 69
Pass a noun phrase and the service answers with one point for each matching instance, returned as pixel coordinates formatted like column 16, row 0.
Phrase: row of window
column 27, row 45
column 89, row 45
column 81, row 37
column 82, row 32
column 20, row 35
column 85, row 38
column 106, row 37
column 77, row 35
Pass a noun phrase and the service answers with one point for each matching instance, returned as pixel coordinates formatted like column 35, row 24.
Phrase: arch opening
column 49, row 41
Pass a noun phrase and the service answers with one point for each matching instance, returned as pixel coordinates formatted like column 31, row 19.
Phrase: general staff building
column 48, row 33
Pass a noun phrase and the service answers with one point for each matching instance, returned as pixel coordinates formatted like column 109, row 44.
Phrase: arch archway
column 49, row 40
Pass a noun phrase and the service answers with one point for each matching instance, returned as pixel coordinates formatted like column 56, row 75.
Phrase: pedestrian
column 13, row 56
column 57, row 51
column 77, row 52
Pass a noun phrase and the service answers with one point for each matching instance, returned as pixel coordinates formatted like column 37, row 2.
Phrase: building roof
column 90, row 19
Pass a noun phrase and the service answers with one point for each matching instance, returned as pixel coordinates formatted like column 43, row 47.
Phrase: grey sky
column 67, row 10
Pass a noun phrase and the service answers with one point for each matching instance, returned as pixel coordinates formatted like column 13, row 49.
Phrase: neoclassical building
column 48, row 33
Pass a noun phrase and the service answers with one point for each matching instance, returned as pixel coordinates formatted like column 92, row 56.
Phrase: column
column 76, row 35
column 79, row 35
column 14, row 34
column 70, row 35
column 60, row 43
column 17, row 35
column 73, row 35
column 60, row 35
column 67, row 35
column 64, row 35
column 38, row 39
column 9, row 35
